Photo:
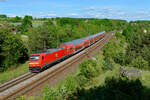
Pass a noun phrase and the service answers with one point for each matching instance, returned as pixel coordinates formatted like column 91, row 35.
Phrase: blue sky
column 115, row 9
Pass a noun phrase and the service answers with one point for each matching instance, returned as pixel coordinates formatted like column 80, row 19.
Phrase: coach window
column 71, row 48
column 42, row 57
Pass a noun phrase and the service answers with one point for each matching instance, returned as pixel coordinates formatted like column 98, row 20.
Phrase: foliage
column 70, row 84
column 138, row 37
column 17, row 19
column 3, row 16
column 108, row 64
column 114, row 89
column 139, row 62
column 52, row 93
column 112, row 49
column 12, row 49
column 121, row 58
column 89, row 68
column 26, row 23
column 39, row 39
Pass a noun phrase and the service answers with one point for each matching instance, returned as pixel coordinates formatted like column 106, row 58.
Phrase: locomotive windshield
column 34, row 57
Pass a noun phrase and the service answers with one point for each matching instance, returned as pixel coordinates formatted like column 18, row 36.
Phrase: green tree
column 139, row 62
column 26, row 23
column 39, row 39
column 88, row 69
column 3, row 16
column 12, row 49
column 17, row 19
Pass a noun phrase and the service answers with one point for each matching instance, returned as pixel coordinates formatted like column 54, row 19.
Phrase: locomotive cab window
column 34, row 57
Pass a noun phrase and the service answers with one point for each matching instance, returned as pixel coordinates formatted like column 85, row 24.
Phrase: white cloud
column 93, row 12
column 47, row 15
column 142, row 11
column 51, row 15
column 73, row 15
column 11, row 15
column 89, row 9
column 107, row 9
column 110, row 13
column 43, row 14
column 121, row 13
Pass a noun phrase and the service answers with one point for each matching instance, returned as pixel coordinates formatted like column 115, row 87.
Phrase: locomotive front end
column 34, row 63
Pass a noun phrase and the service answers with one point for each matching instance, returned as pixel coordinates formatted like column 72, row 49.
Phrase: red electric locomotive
column 40, row 61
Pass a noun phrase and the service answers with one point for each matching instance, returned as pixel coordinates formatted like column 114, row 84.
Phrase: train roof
column 91, row 36
column 78, row 41
column 53, row 50
column 74, row 42
column 47, row 51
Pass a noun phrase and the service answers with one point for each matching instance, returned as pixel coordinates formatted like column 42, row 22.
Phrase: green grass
column 13, row 73
column 24, row 38
column 145, row 79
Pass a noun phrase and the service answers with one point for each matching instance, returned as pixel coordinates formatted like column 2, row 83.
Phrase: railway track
column 15, row 81
column 26, row 85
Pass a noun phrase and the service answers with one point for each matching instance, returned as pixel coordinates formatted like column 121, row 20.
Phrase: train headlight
column 34, row 63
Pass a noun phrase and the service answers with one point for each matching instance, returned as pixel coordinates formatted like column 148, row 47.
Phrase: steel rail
column 15, row 81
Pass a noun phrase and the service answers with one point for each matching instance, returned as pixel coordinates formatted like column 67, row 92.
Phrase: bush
column 12, row 49
column 120, row 58
column 52, row 93
column 113, row 89
column 112, row 49
column 108, row 64
column 81, row 80
column 71, row 84
column 139, row 62
column 88, row 68
column 57, row 93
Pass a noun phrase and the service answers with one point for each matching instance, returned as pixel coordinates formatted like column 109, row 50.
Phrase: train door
column 70, row 49
column 43, row 59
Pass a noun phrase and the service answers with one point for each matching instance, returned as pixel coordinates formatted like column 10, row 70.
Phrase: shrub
column 113, row 89
column 71, row 84
column 108, row 64
column 120, row 58
column 81, row 80
column 51, row 93
column 88, row 68
column 112, row 49
column 139, row 62
column 12, row 49
column 57, row 93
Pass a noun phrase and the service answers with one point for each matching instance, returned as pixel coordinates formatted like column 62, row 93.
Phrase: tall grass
column 13, row 73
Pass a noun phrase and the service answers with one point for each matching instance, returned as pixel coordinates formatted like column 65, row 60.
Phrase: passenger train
column 45, row 59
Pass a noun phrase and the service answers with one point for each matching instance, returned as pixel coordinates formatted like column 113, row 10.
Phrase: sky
column 111, row 9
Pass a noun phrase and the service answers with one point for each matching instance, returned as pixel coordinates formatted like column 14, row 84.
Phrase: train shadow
column 114, row 89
